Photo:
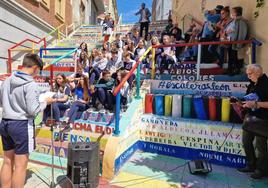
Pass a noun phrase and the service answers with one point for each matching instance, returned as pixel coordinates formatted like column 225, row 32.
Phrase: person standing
column 258, row 109
column 19, row 98
column 145, row 14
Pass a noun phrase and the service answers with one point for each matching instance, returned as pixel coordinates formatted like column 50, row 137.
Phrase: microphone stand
column 52, row 184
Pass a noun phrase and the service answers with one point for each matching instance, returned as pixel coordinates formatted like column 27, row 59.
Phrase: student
column 139, row 51
column 118, row 40
column 115, row 62
column 93, row 72
column 128, row 64
column 130, row 48
column 124, row 91
column 84, row 61
column 81, row 103
column 19, row 96
column 167, row 57
column 61, row 99
column 82, row 48
column 104, row 91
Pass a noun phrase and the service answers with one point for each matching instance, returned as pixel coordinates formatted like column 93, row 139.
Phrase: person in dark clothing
column 145, row 14
column 258, row 108
column 103, row 91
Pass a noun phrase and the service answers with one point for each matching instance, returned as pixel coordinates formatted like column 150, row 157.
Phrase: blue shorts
column 18, row 135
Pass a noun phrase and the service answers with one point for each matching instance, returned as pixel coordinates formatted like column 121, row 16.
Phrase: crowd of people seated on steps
column 98, row 72
column 221, row 24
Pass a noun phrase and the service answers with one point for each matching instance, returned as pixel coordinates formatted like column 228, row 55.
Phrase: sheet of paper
column 44, row 96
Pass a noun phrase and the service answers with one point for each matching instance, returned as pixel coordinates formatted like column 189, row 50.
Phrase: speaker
column 83, row 164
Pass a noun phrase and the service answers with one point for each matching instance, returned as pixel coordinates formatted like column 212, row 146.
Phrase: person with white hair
column 257, row 113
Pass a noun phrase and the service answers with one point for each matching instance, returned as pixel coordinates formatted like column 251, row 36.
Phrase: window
column 60, row 9
column 45, row 4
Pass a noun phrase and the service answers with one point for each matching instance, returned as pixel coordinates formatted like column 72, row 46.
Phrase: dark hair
column 83, row 61
column 80, row 47
column 104, row 73
column 59, row 87
column 238, row 11
column 114, row 51
column 31, row 60
column 226, row 9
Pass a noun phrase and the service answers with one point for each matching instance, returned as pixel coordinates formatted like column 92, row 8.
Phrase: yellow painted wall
column 258, row 27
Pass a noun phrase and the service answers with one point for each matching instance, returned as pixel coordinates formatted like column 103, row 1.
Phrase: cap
column 219, row 7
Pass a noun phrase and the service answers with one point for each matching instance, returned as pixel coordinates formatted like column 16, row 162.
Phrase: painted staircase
column 138, row 131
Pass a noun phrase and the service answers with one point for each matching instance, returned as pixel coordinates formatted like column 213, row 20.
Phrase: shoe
column 257, row 175
column 246, row 169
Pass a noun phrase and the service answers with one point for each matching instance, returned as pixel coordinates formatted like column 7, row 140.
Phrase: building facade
column 86, row 11
column 33, row 19
column 24, row 19
column 161, row 9
column 258, row 28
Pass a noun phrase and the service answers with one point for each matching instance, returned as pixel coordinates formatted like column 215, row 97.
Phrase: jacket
column 19, row 97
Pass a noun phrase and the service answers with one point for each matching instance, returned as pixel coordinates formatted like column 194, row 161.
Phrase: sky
column 128, row 8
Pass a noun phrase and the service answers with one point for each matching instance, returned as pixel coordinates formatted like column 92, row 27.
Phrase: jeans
column 232, row 61
column 213, row 50
column 144, row 25
column 57, row 108
column 261, row 161
column 94, row 75
column 75, row 109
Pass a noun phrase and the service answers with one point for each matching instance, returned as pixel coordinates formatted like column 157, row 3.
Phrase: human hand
column 249, row 104
column 49, row 100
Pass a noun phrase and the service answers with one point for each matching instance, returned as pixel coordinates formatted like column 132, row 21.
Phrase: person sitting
column 79, row 72
column 93, row 71
column 167, row 57
column 103, row 92
column 60, row 100
column 128, row 64
column 130, row 48
column 169, row 27
column 136, row 37
column 139, row 51
column 84, row 61
column 158, row 51
column 118, row 40
column 115, row 63
column 82, row 48
column 81, row 102
column 124, row 91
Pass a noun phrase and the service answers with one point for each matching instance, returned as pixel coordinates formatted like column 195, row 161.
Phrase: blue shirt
column 210, row 20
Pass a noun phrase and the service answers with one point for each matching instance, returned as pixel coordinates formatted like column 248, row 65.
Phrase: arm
column 262, row 104
column 32, row 100
column 106, row 85
column 137, row 13
column 148, row 13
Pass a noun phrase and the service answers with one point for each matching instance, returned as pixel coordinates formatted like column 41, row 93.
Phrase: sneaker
column 246, row 169
column 257, row 175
